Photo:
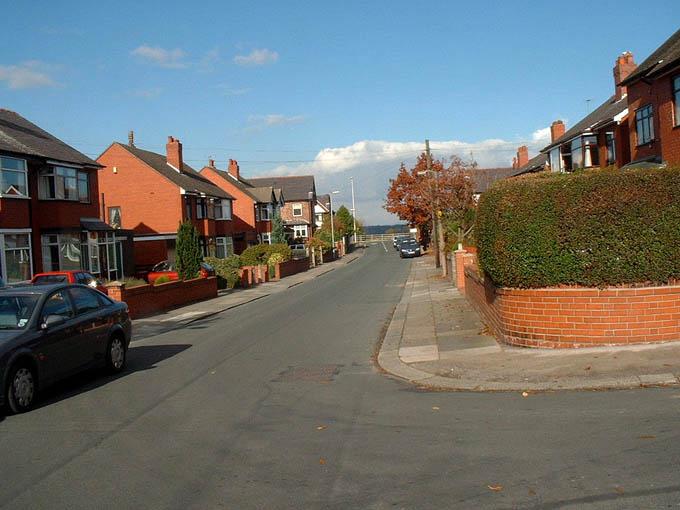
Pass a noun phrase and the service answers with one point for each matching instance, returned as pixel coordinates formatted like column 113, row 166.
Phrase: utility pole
column 354, row 211
column 435, row 237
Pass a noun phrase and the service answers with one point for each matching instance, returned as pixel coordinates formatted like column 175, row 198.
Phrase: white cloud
column 541, row 136
column 373, row 162
column 172, row 59
column 30, row 74
column 273, row 119
column 257, row 57
column 209, row 60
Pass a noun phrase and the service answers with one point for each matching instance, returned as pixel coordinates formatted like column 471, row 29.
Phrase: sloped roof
column 22, row 136
column 600, row 116
column 324, row 201
column 188, row 179
column 665, row 56
column 260, row 194
column 294, row 187
column 484, row 177
column 535, row 164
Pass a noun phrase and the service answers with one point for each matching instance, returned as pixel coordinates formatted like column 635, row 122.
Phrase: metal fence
column 378, row 238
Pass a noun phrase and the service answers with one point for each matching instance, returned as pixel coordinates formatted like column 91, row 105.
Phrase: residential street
column 277, row 404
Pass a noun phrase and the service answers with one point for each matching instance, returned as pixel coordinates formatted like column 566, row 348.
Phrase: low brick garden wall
column 572, row 316
column 291, row 267
column 149, row 299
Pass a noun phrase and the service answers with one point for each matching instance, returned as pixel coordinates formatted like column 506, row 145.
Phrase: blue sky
column 337, row 89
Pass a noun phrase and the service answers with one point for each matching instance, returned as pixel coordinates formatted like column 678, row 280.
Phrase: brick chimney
column 234, row 169
column 522, row 156
column 131, row 138
column 557, row 129
column 211, row 163
column 622, row 69
column 174, row 153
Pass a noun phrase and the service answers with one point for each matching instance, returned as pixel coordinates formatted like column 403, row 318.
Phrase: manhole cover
column 321, row 373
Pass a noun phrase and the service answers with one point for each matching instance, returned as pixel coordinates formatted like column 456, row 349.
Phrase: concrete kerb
column 389, row 361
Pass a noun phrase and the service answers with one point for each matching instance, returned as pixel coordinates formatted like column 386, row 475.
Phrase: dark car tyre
column 116, row 355
column 22, row 388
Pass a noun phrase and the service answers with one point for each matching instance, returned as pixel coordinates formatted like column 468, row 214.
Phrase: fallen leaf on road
column 435, row 408
column 495, row 488
column 321, row 427
column 525, row 394
column 322, row 461
column 619, row 490
column 532, row 492
column 647, row 436
column 587, row 368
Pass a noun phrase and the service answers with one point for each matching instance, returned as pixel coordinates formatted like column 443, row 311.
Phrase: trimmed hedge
column 227, row 271
column 259, row 254
column 593, row 228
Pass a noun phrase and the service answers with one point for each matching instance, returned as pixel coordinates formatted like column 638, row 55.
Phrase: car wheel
column 116, row 355
column 22, row 388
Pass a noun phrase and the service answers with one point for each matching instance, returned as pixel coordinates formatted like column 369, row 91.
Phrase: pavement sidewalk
column 231, row 298
column 436, row 339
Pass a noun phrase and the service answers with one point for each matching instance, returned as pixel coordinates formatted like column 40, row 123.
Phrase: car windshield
column 50, row 279
column 16, row 310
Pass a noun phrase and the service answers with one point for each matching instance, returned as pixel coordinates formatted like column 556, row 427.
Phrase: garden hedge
column 227, row 270
column 260, row 253
column 592, row 228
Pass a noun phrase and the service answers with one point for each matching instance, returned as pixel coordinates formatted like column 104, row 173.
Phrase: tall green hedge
column 260, row 253
column 593, row 228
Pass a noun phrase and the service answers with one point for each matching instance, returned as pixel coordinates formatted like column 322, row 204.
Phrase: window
column 576, row 154
column 114, row 217
column 297, row 209
column 556, row 160
column 84, row 300
column 610, row 142
column 61, row 252
column 644, row 124
column 224, row 247
column 266, row 238
column 299, row 231
column 16, row 311
column 584, row 152
column 15, row 257
column 13, row 180
column 200, row 208
column 188, row 207
column 223, row 209
column 264, row 212
column 676, row 99
column 85, row 279
column 57, row 304
column 62, row 183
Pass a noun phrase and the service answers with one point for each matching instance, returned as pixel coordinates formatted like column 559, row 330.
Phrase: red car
column 71, row 276
column 165, row 268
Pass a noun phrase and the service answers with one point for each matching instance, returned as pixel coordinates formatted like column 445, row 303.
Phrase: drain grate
column 321, row 373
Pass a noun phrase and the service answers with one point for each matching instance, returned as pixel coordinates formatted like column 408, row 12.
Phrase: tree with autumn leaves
column 413, row 192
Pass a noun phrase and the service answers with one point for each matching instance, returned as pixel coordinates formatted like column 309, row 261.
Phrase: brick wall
column 576, row 317
column 307, row 212
column 666, row 134
column 291, row 267
column 149, row 299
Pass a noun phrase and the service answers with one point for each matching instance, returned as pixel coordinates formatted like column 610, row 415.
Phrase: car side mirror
column 51, row 321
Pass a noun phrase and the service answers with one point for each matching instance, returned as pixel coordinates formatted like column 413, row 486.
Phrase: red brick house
column 254, row 207
column 151, row 194
column 601, row 138
column 654, row 103
column 297, row 213
column 49, row 207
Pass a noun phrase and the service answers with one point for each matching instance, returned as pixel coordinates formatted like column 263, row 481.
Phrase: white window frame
column 24, row 172
column 223, row 205
column 227, row 244
column 53, row 172
column 3, row 261
column 297, row 231
column 266, row 237
column 301, row 210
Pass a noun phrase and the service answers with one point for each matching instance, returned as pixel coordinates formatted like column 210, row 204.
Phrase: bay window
column 15, row 257
column 676, row 99
column 644, row 124
column 265, row 212
column 610, row 142
column 61, row 252
column 584, row 153
column 13, row 177
column 224, row 247
column 63, row 183
column 556, row 160
column 223, row 209
column 266, row 238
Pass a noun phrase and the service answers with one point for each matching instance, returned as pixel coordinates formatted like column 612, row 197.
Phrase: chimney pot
column 211, row 163
column 522, row 156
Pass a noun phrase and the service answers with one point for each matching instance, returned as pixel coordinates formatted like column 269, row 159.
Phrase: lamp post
column 332, row 226
column 354, row 212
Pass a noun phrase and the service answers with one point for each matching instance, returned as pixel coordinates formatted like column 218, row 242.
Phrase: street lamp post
column 332, row 226
column 354, row 212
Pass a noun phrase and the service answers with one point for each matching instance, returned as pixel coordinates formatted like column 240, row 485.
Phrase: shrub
column 228, row 271
column 161, row 279
column 188, row 251
column 594, row 228
column 133, row 282
column 259, row 254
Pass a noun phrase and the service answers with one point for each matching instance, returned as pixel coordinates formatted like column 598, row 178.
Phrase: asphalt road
column 276, row 404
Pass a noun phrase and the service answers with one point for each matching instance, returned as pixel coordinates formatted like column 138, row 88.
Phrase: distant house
column 151, row 194
column 523, row 165
column 254, row 206
column 322, row 209
column 483, row 178
column 299, row 194
column 601, row 138
column 654, row 102
column 49, row 207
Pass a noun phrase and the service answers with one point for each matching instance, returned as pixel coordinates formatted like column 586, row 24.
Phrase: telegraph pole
column 354, row 211
column 435, row 237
